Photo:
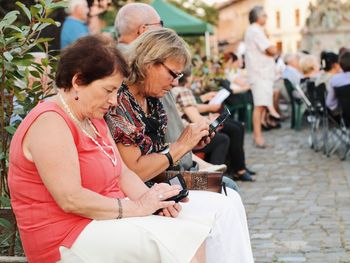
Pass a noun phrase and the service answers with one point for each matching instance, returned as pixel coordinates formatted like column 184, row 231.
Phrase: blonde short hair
column 153, row 47
column 308, row 63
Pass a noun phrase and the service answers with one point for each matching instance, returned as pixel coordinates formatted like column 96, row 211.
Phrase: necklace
column 112, row 158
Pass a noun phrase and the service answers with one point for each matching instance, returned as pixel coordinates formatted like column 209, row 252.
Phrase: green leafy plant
column 24, row 80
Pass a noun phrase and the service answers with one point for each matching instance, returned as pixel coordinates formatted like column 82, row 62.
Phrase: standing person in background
column 75, row 25
column 259, row 58
column 132, row 20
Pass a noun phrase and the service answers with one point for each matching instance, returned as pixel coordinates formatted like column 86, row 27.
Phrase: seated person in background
column 68, row 213
column 330, row 67
column 237, row 83
column 75, row 25
column 292, row 69
column 309, row 67
column 190, row 111
column 138, row 124
column 233, row 74
column 338, row 80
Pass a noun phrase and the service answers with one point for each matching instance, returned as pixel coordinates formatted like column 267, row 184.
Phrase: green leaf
column 42, row 26
column 5, row 223
column 61, row 4
column 44, row 39
column 34, row 10
column 8, row 56
column 23, row 62
column 25, row 10
column 45, row 62
column 15, row 28
column 9, row 18
column 35, row 74
column 48, row 3
column 47, row 20
column 10, row 129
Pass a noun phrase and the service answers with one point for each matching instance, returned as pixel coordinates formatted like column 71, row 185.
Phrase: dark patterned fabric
column 130, row 125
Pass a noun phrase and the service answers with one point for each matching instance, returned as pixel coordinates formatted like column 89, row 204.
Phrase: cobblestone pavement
column 299, row 208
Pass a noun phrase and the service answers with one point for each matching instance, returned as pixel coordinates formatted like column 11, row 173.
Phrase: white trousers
column 217, row 219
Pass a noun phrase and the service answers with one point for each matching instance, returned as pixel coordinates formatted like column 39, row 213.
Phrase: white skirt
column 262, row 91
column 218, row 220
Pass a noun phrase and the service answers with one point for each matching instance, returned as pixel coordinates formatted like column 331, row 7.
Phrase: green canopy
column 179, row 20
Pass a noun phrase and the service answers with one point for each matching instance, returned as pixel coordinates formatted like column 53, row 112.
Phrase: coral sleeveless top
column 43, row 225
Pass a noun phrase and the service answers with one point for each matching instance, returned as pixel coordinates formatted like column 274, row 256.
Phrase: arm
column 207, row 96
column 271, row 51
column 203, row 108
column 331, row 99
column 64, row 181
column 264, row 44
column 193, row 114
column 240, row 87
column 140, row 164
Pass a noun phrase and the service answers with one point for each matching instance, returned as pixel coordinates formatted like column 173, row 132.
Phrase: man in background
column 75, row 25
column 260, row 64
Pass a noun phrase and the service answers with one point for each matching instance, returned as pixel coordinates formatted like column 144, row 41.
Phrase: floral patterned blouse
column 130, row 125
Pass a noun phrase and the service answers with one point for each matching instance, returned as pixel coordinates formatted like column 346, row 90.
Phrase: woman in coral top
column 74, row 198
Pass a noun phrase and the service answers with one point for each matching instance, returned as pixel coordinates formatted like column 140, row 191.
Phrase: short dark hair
column 344, row 61
column 92, row 58
column 255, row 13
column 328, row 59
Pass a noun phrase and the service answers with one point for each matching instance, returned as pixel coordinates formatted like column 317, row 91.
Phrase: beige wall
column 233, row 21
column 289, row 34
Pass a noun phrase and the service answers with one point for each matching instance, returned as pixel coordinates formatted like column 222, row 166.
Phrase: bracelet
column 120, row 209
column 170, row 159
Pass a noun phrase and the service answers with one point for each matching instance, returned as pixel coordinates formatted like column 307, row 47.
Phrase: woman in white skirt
column 76, row 201
column 138, row 123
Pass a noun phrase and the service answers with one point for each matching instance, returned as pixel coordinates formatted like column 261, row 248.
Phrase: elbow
column 69, row 204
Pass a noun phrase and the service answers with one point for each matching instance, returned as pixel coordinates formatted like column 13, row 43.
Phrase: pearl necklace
column 114, row 158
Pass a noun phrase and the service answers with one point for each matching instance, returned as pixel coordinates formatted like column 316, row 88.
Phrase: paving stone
column 261, row 236
column 298, row 209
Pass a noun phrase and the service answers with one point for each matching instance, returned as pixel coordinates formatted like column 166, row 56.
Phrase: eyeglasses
column 176, row 76
column 161, row 23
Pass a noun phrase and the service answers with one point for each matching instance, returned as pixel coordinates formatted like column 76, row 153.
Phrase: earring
column 76, row 96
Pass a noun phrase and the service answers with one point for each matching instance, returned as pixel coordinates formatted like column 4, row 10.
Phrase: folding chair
column 343, row 95
column 318, row 117
column 296, row 116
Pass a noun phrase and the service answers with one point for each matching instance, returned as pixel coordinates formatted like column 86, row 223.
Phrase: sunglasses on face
column 176, row 76
column 161, row 23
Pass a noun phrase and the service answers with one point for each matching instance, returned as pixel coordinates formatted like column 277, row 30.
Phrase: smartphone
column 219, row 120
column 178, row 180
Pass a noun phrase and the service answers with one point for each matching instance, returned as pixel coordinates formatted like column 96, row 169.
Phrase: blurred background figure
column 259, row 58
column 74, row 25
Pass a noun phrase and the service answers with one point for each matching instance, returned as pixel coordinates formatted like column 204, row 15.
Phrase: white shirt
column 259, row 65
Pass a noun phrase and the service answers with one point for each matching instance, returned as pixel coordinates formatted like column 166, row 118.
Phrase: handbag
column 209, row 181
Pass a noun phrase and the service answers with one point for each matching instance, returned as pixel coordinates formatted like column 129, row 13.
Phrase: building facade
column 286, row 20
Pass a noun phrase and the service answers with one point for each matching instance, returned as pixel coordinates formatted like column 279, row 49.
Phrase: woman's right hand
column 153, row 199
column 193, row 134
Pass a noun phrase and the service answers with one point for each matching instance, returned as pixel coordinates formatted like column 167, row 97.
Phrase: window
column 279, row 46
column 278, row 19
column 297, row 17
column 298, row 45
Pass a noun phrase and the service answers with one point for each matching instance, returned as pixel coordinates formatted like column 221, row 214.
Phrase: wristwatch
column 166, row 152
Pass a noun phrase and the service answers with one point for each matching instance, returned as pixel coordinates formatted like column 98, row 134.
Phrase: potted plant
column 24, row 80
